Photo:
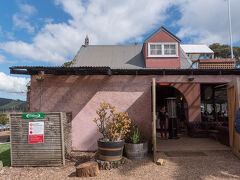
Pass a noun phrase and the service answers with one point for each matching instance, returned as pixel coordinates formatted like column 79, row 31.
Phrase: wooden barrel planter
column 110, row 151
column 136, row 151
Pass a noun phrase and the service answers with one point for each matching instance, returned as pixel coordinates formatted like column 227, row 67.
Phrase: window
column 156, row 49
column 162, row 50
column 169, row 49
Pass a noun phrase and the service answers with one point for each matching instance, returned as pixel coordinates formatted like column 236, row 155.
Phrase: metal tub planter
column 113, row 126
column 136, row 151
column 110, row 151
column 135, row 146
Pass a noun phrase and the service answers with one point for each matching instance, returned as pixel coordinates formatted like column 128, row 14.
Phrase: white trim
column 162, row 44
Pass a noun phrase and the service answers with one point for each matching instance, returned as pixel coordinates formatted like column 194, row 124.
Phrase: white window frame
column 162, row 44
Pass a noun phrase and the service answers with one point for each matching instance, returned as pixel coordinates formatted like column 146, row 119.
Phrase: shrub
column 113, row 125
column 136, row 136
column 4, row 119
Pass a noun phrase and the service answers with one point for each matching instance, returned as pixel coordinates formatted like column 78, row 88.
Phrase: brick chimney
column 86, row 41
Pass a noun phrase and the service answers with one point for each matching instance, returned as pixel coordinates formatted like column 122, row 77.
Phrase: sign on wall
column 36, row 132
column 33, row 115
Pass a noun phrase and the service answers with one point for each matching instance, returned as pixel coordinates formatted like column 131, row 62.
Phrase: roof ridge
column 166, row 30
column 115, row 45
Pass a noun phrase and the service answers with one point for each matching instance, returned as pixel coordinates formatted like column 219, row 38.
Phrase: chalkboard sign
column 237, row 118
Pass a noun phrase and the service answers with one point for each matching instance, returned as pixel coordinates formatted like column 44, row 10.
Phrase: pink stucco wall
column 191, row 92
column 81, row 95
column 161, row 62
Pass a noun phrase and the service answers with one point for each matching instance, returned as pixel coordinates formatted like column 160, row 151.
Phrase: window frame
column 162, row 45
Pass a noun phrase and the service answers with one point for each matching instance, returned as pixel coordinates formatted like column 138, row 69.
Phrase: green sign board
column 33, row 115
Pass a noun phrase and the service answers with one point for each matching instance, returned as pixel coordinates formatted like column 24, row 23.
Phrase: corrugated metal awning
column 31, row 70
column 196, row 49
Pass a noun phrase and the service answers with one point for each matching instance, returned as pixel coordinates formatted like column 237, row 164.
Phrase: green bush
column 136, row 136
column 4, row 119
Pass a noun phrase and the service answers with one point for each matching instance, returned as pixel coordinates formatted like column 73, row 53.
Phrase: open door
column 154, row 136
column 233, row 93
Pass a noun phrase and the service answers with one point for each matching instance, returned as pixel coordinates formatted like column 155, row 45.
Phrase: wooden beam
column 154, row 120
column 62, row 136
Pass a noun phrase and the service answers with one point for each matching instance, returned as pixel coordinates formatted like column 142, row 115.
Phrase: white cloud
column 2, row 58
column 206, row 21
column 20, row 20
column 27, row 9
column 12, row 84
column 105, row 22
column 48, row 20
column 22, row 23
column 10, row 35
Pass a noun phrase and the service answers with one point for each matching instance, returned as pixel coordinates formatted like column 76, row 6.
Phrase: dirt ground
column 216, row 165
column 4, row 136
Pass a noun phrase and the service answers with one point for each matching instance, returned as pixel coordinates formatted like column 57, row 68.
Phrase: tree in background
column 4, row 119
column 223, row 51
column 67, row 64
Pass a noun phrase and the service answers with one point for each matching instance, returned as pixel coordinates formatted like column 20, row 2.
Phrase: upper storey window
column 162, row 49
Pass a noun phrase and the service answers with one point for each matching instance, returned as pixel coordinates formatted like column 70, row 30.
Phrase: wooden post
column 233, row 91
column 154, row 119
column 10, row 119
column 62, row 136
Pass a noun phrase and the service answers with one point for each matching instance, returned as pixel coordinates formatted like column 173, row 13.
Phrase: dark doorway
column 166, row 91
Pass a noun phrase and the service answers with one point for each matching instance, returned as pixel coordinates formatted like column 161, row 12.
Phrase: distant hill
column 9, row 105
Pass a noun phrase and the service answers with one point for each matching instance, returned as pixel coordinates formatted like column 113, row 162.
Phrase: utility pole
column 230, row 26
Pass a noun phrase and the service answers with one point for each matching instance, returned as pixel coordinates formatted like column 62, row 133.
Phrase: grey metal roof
column 117, row 57
column 185, row 61
column 113, row 56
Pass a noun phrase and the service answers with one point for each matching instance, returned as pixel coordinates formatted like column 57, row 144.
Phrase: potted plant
column 113, row 126
column 135, row 146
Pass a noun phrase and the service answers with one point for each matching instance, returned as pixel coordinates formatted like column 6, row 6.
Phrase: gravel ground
column 217, row 165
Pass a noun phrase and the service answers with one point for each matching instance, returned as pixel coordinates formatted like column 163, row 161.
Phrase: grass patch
column 5, row 154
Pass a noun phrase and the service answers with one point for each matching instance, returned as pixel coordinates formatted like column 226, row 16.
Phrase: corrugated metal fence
column 49, row 153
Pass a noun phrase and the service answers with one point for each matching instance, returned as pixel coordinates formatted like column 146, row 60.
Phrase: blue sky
column 49, row 32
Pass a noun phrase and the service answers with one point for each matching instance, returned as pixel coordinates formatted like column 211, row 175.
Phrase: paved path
column 186, row 143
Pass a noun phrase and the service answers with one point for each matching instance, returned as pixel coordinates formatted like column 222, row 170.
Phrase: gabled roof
column 162, row 28
column 117, row 56
column 113, row 56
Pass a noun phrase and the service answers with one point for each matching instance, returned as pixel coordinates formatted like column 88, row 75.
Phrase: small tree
column 4, row 119
column 113, row 125
column 67, row 64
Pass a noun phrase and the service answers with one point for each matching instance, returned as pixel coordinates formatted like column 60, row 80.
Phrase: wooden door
column 154, row 136
column 233, row 93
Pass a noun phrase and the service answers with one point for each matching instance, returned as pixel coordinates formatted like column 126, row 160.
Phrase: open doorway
column 163, row 93
column 214, row 112
column 211, row 133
